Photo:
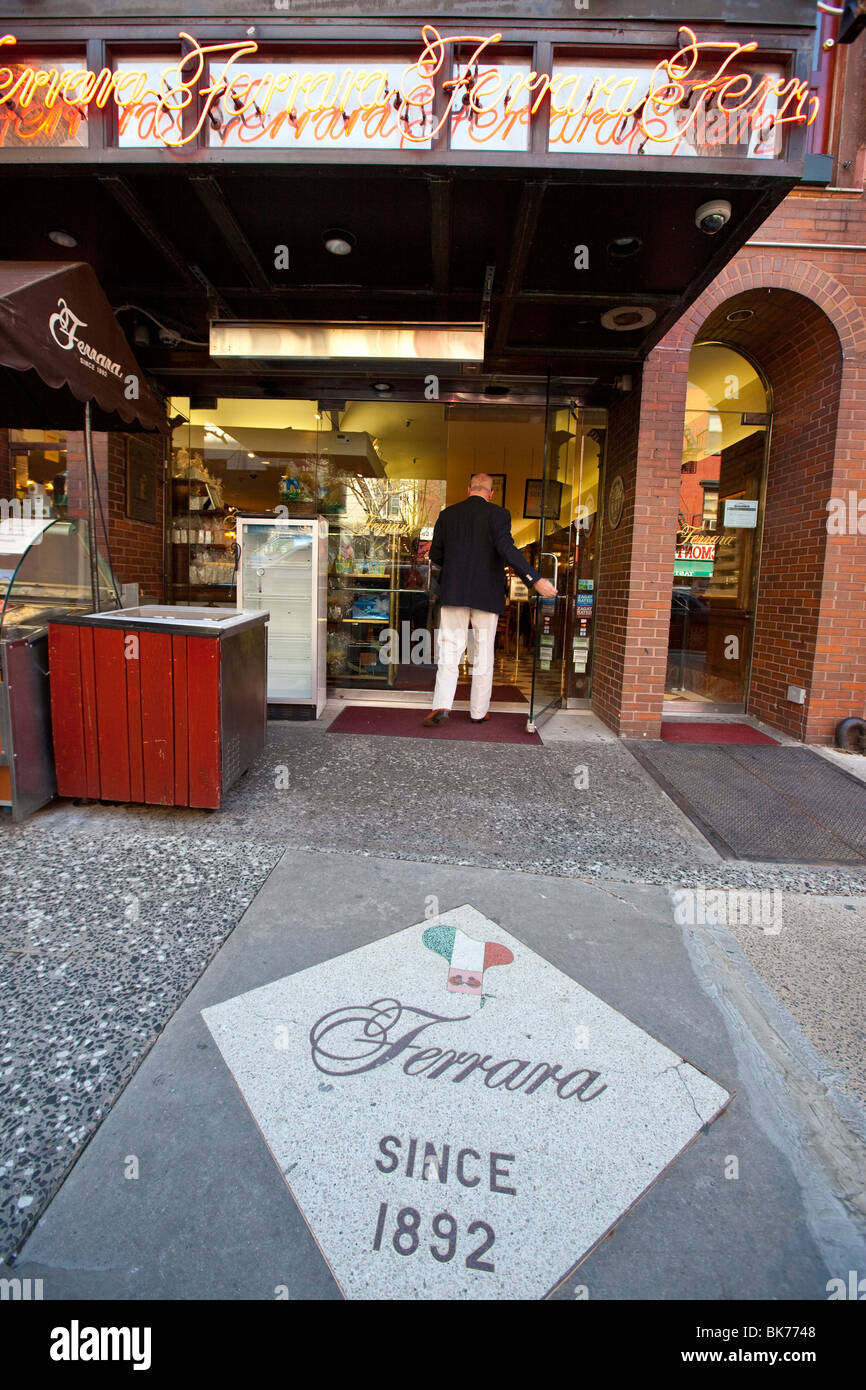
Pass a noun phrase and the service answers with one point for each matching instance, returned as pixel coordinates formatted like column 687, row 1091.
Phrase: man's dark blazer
column 472, row 542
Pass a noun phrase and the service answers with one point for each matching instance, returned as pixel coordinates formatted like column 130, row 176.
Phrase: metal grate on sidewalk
column 782, row 804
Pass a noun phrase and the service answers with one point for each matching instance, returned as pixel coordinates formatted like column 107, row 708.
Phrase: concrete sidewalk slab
column 533, row 1114
column 177, row 1196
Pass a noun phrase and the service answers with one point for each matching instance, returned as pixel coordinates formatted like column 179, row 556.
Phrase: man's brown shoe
column 438, row 716
column 483, row 720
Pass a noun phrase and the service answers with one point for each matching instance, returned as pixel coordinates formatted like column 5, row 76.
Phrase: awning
column 59, row 335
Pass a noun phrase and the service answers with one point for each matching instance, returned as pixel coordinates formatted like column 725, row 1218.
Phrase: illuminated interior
column 719, row 519
column 381, row 471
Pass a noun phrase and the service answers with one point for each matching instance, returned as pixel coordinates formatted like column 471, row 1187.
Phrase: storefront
column 562, row 187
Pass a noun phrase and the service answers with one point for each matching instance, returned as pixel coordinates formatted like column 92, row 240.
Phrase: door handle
column 555, row 558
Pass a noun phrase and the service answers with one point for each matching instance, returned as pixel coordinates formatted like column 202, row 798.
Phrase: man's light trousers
column 454, row 624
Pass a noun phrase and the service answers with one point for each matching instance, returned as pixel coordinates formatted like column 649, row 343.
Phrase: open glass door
column 550, row 499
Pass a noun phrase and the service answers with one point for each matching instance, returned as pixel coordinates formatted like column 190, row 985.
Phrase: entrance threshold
column 680, row 709
column 408, row 698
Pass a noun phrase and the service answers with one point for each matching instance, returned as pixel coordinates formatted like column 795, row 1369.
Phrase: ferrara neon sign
column 703, row 100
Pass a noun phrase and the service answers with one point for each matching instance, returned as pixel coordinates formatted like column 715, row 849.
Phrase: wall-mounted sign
column 616, row 501
column 707, row 98
column 140, row 479
column 742, row 512
column 455, row 1117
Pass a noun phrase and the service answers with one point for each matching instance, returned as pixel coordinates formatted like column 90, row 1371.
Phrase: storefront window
column 380, row 473
column 490, row 106
column 719, row 527
column 141, row 118
column 315, row 103
column 39, row 471
column 39, row 108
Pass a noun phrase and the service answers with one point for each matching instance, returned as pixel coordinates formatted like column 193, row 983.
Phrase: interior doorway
column 719, row 525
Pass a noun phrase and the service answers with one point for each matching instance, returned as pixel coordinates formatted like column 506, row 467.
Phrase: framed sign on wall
column 532, row 498
column 140, row 480
column 498, row 481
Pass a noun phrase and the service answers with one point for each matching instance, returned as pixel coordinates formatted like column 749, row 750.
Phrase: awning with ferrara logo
column 56, row 321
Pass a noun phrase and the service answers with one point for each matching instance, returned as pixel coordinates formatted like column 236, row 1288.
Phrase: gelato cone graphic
column 467, row 959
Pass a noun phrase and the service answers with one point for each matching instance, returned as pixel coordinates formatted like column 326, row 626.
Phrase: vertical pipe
column 91, row 511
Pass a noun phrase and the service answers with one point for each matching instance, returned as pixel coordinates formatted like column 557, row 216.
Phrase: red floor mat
column 408, row 723
column 702, row 731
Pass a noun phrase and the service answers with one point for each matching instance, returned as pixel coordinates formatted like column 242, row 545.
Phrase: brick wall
column 636, row 563
column 137, row 550
column 137, row 547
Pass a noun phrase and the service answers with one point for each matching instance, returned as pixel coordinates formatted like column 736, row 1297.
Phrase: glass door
column 551, row 499
column 720, row 515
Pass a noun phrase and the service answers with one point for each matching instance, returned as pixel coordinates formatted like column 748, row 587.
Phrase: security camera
column 168, row 337
column 712, row 217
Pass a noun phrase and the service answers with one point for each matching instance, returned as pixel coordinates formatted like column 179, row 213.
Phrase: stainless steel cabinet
column 283, row 569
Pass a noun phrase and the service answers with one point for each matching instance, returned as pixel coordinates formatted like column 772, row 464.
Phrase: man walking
column 471, row 544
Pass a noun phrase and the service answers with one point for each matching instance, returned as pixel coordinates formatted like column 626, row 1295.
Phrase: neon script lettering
column 662, row 107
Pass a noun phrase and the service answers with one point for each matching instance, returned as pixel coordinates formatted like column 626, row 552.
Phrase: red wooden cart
column 155, row 704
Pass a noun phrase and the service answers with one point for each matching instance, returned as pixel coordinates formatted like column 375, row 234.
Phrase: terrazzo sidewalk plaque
column 455, row 1117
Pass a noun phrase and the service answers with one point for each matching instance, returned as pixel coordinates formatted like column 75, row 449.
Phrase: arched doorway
column 719, row 520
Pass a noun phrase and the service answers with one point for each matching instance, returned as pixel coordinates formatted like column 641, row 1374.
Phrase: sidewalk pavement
column 121, row 909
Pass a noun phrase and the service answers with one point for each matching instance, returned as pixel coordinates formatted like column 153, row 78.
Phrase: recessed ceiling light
column 624, row 246
column 62, row 239
column 382, row 386
column 627, row 318
column 338, row 242
column 740, row 315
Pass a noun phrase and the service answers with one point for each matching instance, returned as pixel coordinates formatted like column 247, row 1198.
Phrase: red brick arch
column 765, row 272
column 808, row 335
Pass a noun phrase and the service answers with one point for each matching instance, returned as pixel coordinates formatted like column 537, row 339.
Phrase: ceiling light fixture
column 63, row 238
column 627, row 318
column 740, row 315
column 382, row 386
column 338, row 242
column 624, row 246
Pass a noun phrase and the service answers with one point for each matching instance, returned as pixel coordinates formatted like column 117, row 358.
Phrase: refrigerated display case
column 283, row 568
column 44, row 574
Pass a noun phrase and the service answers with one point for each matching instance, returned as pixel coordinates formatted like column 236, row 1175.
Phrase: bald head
column 481, row 484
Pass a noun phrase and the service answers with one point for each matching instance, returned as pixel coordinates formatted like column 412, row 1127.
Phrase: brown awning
column 58, row 331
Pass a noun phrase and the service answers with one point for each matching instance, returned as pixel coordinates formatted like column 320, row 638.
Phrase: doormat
column 424, row 678
column 456, row 1118
column 703, row 731
column 782, row 804
column 407, row 723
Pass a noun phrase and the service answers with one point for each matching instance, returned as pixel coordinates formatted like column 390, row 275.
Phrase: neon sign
column 699, row 101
